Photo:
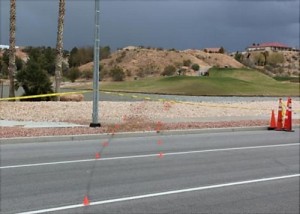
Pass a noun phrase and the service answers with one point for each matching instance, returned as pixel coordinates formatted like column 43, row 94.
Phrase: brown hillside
column 140, row 62
column 19, row 53
column 279, row 63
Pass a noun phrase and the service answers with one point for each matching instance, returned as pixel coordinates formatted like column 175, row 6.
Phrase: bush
column 195, row 67
column 87, row 74
column 117, row 74
column 103, row 73
column 187, row 62
column 169, row 70
column 120, row 58
column 222, row 50
column 34, row 81
column 275, row 59
column 238, row 57
column 73, row 74
column 128, row 73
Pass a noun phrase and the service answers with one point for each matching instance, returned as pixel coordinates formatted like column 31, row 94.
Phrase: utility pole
column 95, row 122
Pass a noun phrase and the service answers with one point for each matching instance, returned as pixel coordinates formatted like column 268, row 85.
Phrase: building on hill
column 269, row 46
column 212, row 50
column 6, row 47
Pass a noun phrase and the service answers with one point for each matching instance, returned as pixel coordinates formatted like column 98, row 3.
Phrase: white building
column 6, row 47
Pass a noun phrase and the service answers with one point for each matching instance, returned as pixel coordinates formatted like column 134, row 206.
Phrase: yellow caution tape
column 42, row 95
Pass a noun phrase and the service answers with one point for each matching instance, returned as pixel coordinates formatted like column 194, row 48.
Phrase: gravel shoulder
column 135, row 116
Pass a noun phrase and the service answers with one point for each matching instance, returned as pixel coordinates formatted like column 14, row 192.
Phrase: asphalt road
column 238, row 172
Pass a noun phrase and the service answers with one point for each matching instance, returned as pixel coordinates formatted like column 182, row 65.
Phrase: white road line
column 149, row 155
column 161, row 194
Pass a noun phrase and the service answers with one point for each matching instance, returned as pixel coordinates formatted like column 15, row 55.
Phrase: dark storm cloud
column 180, row 24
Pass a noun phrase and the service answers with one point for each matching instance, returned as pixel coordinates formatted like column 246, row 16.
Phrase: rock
column 72, row 97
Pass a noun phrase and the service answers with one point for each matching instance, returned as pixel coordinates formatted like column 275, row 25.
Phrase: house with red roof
column 269, row 46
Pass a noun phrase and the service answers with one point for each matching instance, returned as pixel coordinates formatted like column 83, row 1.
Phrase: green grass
column 221, row 82
column 291, row 79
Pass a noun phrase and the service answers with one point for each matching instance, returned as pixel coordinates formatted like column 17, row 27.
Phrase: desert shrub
column 128, row 73
column 259, row 59
column 73, row 74
column 117, row 73
column 88, row 74
column 178, row 64
column 169, row 70
column 104, row 52
column 275, row 59
column 103, row 73
column 238, row 57
column 195, row 67
column 222, row 50
column 120, row 58
column 187, row 62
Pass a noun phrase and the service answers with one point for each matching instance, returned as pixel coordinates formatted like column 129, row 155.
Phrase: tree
column 104, row 52
column 195, row 67
column 59, row 46
column 73, row 74
column 72, row 60
column 222, row 50
column 34, row 80
column 238, row 57
column 80, row 56
column 12, row 48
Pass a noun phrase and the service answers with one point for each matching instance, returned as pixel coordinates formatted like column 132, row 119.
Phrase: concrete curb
column 44, row 139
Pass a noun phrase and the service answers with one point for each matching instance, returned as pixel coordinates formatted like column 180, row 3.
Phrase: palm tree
column 12, row 48
column 59, row 46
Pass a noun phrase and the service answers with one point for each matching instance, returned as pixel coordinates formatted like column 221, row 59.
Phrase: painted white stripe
column 161, row 194
column 150, row 155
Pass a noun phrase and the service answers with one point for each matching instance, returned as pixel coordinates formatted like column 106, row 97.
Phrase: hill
column 220, row 82
column 274, row 63
column 140, row 62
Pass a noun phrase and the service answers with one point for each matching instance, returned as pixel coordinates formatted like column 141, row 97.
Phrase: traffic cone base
column 272, row 121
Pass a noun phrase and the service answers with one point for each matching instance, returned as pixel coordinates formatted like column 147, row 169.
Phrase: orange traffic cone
column 279, row 118
column 272, row 121
column 288, row 119
column 97, row 155
column 86, row 201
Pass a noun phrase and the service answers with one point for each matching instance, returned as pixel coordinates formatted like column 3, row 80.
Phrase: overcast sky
column 180, row 24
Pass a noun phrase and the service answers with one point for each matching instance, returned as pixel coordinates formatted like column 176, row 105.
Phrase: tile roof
column 270, row 44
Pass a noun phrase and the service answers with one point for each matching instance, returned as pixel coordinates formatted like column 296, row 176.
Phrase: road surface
column 238, row 172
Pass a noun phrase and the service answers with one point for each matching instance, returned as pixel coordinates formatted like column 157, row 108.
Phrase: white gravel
column 112, row 112
column 139, row 113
